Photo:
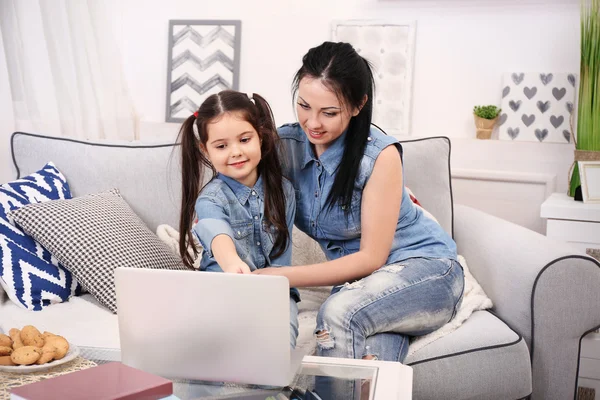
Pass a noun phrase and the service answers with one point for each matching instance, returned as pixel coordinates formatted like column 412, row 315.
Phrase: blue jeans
column 293, row 322
column 375, row 316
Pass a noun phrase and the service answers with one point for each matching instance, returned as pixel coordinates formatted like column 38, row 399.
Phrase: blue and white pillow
column 29, row 274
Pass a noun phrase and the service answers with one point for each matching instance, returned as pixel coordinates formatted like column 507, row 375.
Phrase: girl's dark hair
column 339, row 67
column 193, row 161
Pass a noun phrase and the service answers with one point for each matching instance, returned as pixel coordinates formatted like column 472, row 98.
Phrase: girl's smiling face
column 233, row 148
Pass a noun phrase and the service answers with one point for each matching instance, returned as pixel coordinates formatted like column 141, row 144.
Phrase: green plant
column 588, row 112
column 487, row 112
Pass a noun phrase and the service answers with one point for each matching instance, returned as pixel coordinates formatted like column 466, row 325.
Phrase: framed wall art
column 390, row 47
column 537, row 107
column 204, row 58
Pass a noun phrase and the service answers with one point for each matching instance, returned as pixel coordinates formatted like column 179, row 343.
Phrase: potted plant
column 587, row 143
column 485, row 120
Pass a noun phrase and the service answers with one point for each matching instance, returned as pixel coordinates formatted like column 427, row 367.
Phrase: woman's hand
column 269, row 271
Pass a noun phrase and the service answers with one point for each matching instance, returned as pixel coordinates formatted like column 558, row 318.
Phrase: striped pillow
column 29, row 274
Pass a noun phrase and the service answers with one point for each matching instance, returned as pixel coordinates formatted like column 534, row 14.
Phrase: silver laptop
column 206, row 325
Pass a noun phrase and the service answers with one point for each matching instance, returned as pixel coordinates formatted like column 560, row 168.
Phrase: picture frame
column 390, row 47
column 589, row 172
column 203, row 58
column 537, row 107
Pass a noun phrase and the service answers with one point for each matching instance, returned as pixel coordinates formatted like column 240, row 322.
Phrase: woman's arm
column 380, row 209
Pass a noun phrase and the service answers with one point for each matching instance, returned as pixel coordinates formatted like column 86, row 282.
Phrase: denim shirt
column 339, row 234
column 228, row 207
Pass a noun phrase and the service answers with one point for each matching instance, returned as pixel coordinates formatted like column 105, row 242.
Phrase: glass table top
column 303, row 386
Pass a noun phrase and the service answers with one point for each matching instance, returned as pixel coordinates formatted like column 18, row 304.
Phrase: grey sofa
column 545, row 296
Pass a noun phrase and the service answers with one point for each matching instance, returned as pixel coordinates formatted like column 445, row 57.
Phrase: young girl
column 246, row 211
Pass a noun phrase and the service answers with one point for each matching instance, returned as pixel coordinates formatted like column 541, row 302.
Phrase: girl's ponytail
column 270, row 170
column 191, row 174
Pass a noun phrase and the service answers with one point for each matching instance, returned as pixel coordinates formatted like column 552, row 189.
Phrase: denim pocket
column 242, row 237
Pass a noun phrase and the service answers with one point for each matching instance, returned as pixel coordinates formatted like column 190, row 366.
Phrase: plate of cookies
column 29, row 350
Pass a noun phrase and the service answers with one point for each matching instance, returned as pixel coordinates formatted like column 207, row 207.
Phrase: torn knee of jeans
column 324, row 339
column 354, row 285
column 368, row 355
column 392, row 268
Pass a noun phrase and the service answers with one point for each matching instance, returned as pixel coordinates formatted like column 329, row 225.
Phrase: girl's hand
column 239, row 267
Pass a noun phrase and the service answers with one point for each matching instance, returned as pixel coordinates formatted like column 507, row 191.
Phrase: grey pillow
column 93, row 235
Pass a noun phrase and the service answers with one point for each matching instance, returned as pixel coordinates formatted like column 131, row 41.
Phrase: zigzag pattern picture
column 204, row 58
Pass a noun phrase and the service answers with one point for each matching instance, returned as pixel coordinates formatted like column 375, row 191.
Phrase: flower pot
column 484, row 127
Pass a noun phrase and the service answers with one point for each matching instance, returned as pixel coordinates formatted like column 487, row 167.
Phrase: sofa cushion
column 483, row 358
column 30, row 275
column 427, row 173
column 148, row 175
column 92, row 236
column 81, row 320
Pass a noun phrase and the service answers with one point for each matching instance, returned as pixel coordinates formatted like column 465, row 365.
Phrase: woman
column 396, row 269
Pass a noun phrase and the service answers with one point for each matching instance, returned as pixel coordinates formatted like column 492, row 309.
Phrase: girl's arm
column 215, row 234
column 226, row 255
column 380, row 209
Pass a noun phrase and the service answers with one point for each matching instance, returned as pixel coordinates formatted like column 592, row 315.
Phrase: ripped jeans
column 375, row 316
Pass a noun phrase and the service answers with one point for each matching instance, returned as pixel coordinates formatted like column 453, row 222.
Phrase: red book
column 105, row 382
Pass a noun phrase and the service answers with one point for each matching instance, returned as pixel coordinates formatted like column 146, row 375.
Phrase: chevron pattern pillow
column 93, row 235
column 29, row 274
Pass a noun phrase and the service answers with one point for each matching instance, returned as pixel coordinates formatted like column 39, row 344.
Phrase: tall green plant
column 588, row 113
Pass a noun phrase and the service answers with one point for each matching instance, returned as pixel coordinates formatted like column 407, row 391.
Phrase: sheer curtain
column 60, row 72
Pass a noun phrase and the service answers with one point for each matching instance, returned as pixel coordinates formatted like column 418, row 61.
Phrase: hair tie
column 195, row 127
column 251, row 98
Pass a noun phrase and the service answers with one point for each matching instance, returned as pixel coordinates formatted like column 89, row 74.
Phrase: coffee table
column 381, row 380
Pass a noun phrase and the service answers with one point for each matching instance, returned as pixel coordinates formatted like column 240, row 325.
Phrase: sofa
column 545, row 294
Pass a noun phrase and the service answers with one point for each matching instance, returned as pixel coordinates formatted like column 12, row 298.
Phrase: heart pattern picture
column 529, row 92
column 537, row 106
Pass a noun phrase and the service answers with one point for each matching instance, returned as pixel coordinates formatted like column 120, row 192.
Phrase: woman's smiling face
column 320, row 113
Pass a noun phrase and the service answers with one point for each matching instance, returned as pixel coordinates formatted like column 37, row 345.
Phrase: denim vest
column 339, row 233
column 228, row 207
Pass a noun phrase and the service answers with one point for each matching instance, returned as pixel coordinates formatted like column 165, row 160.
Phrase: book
column 109, row 381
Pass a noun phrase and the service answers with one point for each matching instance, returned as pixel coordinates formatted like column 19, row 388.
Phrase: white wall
column 462, row 49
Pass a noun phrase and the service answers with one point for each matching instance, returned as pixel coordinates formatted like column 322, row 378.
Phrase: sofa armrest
column 544, row 289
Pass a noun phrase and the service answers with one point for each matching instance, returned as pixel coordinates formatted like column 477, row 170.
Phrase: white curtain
column 61, row 73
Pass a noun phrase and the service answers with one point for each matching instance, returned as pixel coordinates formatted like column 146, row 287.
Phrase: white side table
column 578, row 224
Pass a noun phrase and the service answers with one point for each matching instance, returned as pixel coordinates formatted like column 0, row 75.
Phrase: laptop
column 206, row 326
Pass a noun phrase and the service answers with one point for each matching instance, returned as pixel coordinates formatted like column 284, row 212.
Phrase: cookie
column 15, row 335
column 48, row 353
column 26, row 355
column 6, row 360
column 46, row 334
column 30, row 336
column 5, row 350
column 5, row 340
column 61, row 344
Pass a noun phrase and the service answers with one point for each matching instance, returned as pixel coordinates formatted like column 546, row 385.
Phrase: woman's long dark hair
column 340, row 68
column 193, row 161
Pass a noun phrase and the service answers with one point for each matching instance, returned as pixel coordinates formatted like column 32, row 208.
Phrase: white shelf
column 561, row 206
